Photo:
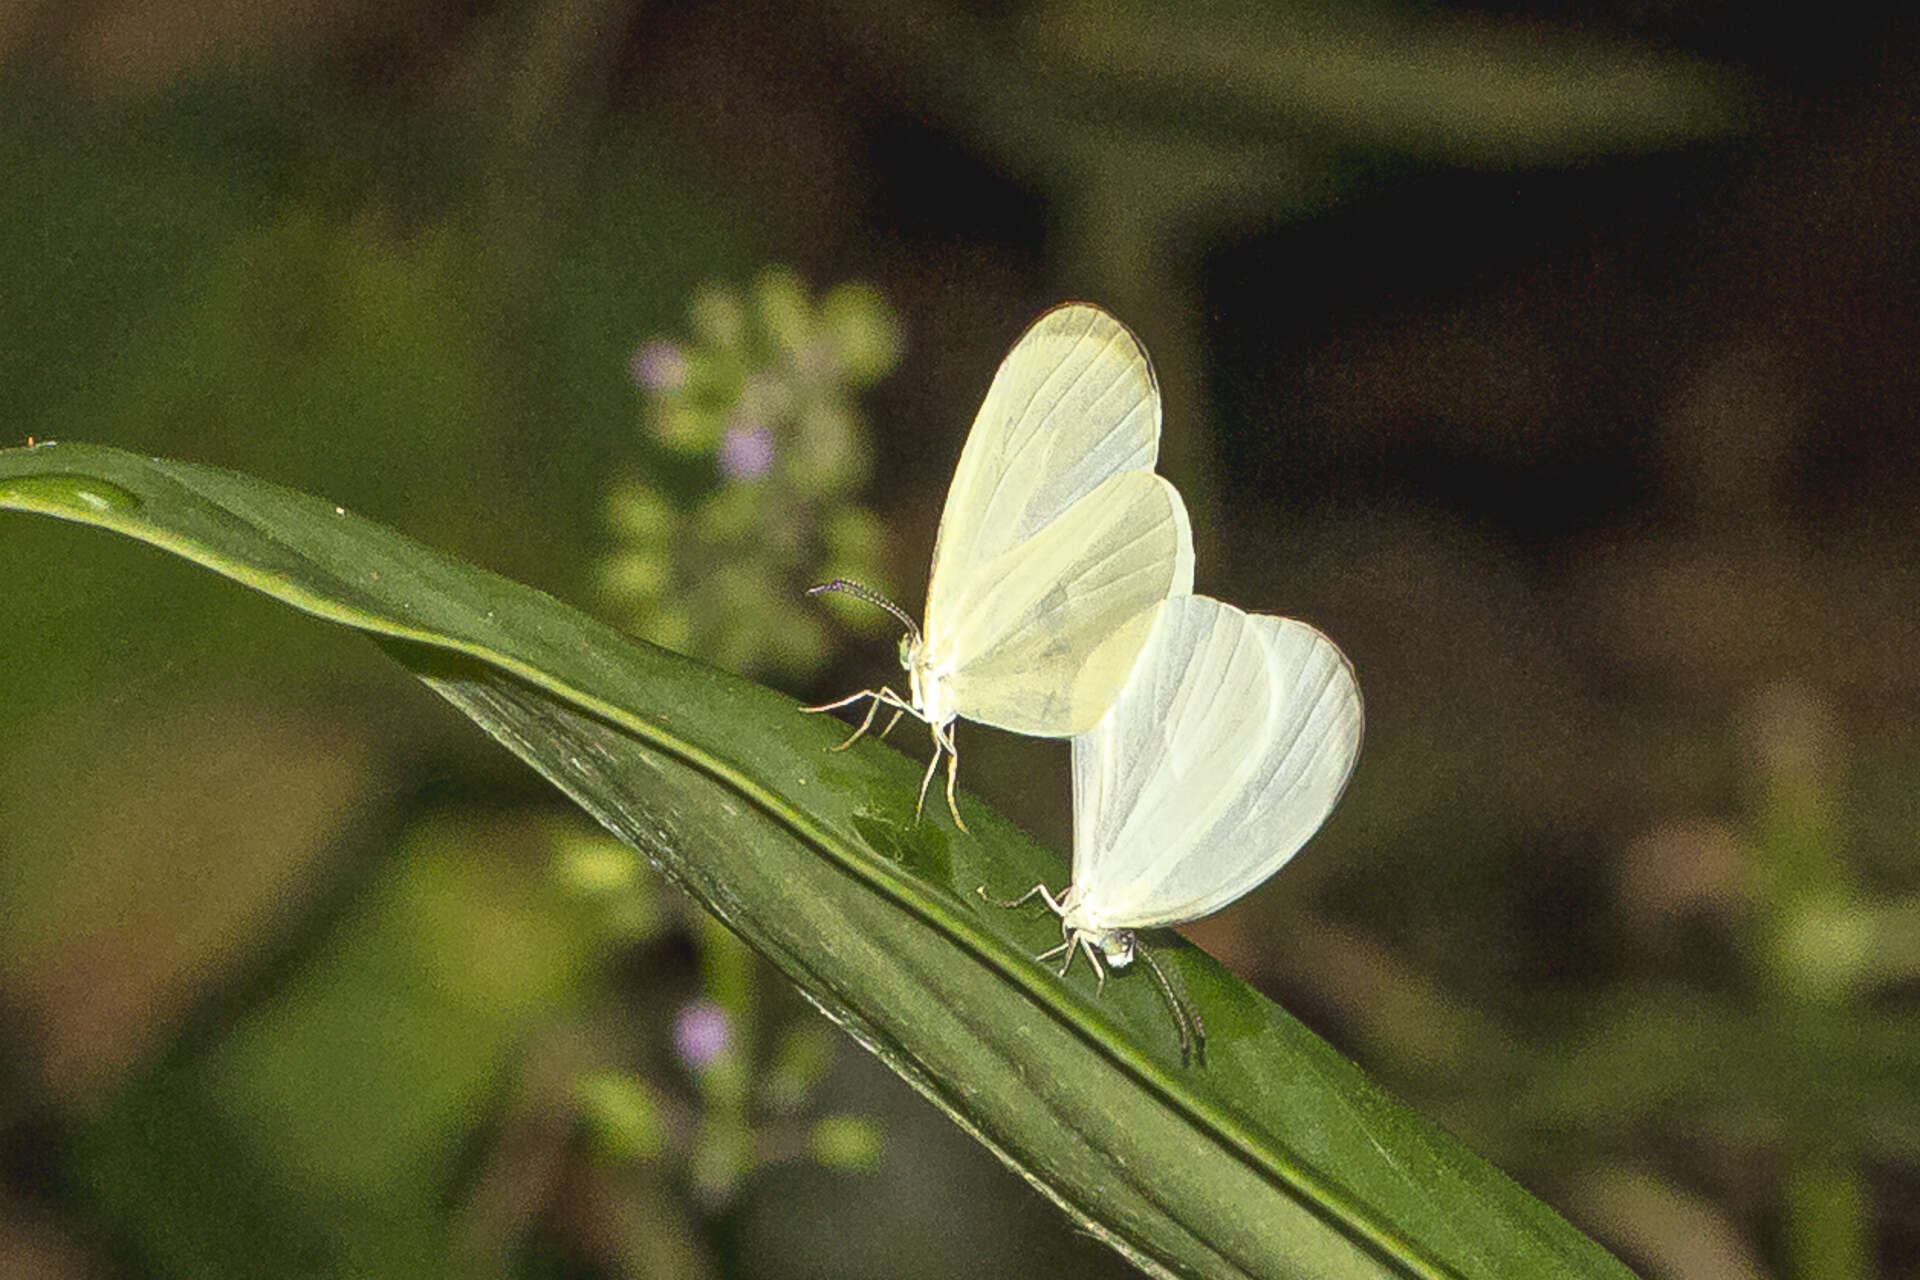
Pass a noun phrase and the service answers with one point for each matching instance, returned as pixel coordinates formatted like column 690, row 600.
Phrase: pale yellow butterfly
column 1228, row 747
column 1056, row 542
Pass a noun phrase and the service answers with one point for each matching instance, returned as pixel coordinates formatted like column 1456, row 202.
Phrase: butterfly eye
column 906, row 651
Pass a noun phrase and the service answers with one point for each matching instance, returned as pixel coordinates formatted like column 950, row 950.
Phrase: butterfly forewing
column 1073, row 405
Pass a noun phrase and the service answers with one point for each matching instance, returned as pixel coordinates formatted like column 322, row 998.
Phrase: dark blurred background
column 1557, row 360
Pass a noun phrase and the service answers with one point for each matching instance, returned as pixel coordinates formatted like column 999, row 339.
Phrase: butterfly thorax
column 929, row 681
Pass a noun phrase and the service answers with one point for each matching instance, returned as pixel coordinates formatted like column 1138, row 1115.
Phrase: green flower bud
column 861, row 331
column 685, row 427
column 621, row 1115
column 641, row 513
column 785, row 314
column 800, row 1062
column 718, row 318
column 636, row 575
column 851, row 1143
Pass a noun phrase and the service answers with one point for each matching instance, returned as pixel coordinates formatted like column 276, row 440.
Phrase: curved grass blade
column 1280, row 1158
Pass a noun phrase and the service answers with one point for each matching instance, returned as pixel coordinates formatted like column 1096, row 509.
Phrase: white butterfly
column 1056, row 542
column 1226, row 750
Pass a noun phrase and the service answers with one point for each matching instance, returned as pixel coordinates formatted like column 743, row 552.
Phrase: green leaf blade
column 1277, row 1158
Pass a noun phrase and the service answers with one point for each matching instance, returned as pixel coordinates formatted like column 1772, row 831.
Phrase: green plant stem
column 1825, row 1220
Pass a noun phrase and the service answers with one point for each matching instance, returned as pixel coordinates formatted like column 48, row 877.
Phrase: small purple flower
column 658, row 366
column 746, row 451
column 701, row 1033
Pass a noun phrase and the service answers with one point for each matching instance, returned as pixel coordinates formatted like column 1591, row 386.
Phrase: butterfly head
column 1083, row 928
column 1116, row 947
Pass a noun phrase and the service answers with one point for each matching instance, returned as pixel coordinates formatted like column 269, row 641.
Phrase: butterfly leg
column 953, row 777
column 942, row 745
column 1076, row 940
column 1065, row 948
column 1093, row 958
column 878, row 696
column 865, row 724
column 900, row 708
column 926, row 781
column 852, row 697
column 1038, row 891
column 1075, row 944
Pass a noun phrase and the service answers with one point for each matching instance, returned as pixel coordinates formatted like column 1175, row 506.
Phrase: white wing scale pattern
column 1225, row 752
column 1055, row 545
column 1040, row 444
column 1073, row 407
column 1043, row 638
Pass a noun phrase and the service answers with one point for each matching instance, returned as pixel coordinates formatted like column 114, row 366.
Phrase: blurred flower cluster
column 758, row 451
column 736, row 1092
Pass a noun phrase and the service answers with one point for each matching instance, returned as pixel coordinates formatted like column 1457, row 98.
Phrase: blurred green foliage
column 765, row 452
column 427, row 311
column 734, row 1095
column 303, row 1047
column 326, row 1129
column 1796, row 1058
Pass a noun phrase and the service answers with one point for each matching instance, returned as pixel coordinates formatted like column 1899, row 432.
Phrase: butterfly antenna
column 1193, row 1033
column 859, row 592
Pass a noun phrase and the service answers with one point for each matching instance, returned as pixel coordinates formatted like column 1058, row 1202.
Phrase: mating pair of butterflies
column 1208, row 744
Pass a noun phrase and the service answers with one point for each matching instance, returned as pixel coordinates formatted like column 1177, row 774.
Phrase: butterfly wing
column 1227, row 749
column 1056, row 534
column 1051, row 628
